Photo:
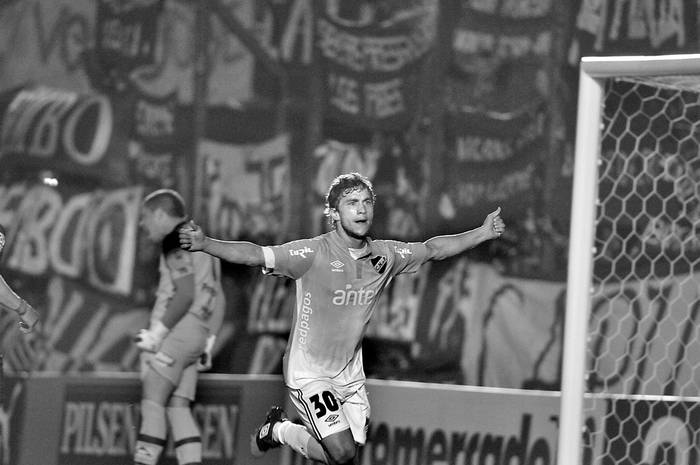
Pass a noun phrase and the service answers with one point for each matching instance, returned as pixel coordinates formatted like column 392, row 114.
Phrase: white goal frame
column 592, row 76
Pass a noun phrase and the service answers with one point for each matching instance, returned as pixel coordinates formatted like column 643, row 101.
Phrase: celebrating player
column 28, row 316
column 339, row 278
column 185, row 318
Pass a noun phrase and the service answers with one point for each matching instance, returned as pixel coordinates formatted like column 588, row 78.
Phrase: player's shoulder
column 303, row 248
column 394, row 247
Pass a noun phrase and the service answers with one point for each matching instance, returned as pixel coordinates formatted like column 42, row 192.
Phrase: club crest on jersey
column 379, row 263
column 300, row 252
column 403, row 251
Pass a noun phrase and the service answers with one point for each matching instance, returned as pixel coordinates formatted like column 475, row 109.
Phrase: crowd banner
column 49, row 128
column 371, row 68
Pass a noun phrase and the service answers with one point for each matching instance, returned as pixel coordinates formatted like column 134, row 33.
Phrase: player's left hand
column 494, row 225
column 205, row 360
column 150, row 339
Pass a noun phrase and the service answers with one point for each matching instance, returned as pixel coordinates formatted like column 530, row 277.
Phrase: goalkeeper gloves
column 150, row 339
column 205, row 360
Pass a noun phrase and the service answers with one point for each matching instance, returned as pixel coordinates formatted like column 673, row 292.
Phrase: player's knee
column 343, row 454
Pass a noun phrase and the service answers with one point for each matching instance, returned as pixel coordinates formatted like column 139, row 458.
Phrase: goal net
column 631, row 365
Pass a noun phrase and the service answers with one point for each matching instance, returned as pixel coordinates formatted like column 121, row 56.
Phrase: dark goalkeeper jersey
column 335, row 297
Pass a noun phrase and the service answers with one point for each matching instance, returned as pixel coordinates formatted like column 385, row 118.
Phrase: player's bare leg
column 277, row 430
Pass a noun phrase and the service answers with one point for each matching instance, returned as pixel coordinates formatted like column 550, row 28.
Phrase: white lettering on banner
column 344, row 93
column 476, row 148
column 416, row 445
column 154, row 120
column 374, row 54
column 657, row 24
column 471, row 42
column 517, row 9
column 123, row 38
column 373, row 99
column 98, row 231
column 108, row 429
column 468, row 194
column 384, row 99
column 101, row 429
column 33, row 125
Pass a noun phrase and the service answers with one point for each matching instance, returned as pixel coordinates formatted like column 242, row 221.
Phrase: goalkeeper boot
column 262, row 440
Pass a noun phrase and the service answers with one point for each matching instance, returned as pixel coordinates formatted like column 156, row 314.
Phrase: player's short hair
column 341, row 186
column 168, row 200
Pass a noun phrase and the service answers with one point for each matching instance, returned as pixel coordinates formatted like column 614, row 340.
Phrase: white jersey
column 335, row 298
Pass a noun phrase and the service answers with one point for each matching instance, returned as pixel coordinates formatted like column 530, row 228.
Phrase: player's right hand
column 28, row 318
column 191, row 237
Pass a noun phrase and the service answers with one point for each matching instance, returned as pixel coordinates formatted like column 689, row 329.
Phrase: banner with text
column 372, row 69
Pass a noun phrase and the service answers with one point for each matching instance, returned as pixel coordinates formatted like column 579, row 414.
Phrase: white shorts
column 325, row 412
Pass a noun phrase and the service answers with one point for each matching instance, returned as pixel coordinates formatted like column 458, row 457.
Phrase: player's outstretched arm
column 192, row 238
column 440, row 247
column 28, row 316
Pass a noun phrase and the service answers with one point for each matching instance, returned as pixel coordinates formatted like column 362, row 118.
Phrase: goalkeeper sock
column 151, row 438
column 188, row 442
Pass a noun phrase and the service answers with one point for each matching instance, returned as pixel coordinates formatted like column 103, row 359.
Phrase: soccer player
column 186, row 315
column 28, row 316
column 339, row 278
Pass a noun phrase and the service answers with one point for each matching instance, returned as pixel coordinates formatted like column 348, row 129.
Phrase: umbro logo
column 337, row 266
column 331, row 418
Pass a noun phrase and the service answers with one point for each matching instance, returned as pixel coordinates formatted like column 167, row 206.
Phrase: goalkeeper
column 28, row 316
column 186, row 316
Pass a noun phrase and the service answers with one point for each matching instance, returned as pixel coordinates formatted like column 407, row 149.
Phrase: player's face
column 150, row 224
column 355, row 213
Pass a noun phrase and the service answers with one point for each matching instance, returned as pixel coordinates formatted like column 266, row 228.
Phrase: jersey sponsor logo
column 379, row 263
column 337, row 266
column 303, row 326
column 300, row 252
column 403, row 251
column 350, row 297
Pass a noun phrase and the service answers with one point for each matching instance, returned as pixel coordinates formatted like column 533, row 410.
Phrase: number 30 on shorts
column 324, row 403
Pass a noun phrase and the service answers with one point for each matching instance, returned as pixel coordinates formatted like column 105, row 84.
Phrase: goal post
column 637, row 131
